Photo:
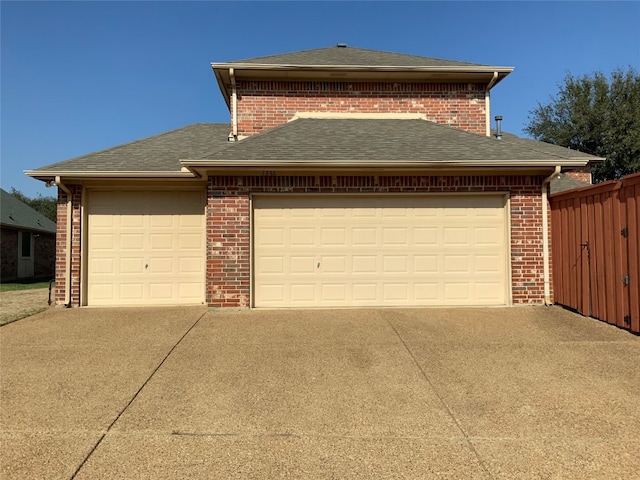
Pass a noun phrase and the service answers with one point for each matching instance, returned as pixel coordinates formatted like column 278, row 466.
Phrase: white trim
column 108, row 174
column 358, row 115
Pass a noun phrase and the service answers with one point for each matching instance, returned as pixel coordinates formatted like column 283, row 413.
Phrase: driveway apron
column 533, row 392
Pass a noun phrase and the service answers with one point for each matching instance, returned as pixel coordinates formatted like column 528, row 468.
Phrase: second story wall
column 267, row 104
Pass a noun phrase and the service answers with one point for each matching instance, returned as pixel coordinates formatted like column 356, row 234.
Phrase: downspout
column 487, row 103
column 67, row 273
column 545, row 236
column 234, row 106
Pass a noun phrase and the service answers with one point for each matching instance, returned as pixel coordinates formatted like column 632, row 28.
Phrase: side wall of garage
column 62, row 282
column 229, row 228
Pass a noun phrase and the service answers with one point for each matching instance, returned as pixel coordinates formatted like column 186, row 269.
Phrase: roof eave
column 347, row 164
column 381, row 68
column 221, row 71
column 50, row 174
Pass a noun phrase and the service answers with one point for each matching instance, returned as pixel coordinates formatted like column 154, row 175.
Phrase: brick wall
column 267, row 104
column 44, row 255
column 228, row 228
column 584, row 175
column 9, row 254
column 61, row 246
column 44, row 250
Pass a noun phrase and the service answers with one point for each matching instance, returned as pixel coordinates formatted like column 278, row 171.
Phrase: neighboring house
column 28, row 247
column 564, row 182
column 347, row 177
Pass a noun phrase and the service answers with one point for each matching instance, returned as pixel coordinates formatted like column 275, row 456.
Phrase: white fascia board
column 106, row 174
column 337, row 164
column 358, row 116
column 379, row 68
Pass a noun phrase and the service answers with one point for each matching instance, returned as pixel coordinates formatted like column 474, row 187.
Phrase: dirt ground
column 22, row 303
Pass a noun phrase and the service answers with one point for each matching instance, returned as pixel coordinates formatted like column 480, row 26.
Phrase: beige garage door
column 145, row 248
column 333, row 251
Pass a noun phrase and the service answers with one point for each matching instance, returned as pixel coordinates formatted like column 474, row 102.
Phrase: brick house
column 346, row 177
column 28, row 245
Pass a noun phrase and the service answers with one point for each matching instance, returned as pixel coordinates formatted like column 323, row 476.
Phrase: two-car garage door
column 335, row 251
column 145, row 247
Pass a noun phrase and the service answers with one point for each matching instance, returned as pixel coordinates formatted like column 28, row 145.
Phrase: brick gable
column 267, row 104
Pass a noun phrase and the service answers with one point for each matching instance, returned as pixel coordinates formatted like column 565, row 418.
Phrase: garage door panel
column 333, row 237
column 302, row 292
column 426, row 264
column 487, row 236
column 395, row 292
column 414, row 250
column 334, row 292
column 487, row 264
column 426, row 293
column 131, row 221
column 142, row 246
column 130, row 241
column 161, row 265
column 160, row 241
column 103, row 266
column 130, row 265
column 103, row 241
column 364, row 264
column 193, row 241
column 364, row 292
column 190, row 265
column 131, row 291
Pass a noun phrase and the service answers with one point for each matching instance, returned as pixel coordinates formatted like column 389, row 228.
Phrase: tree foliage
column 596, row 115
column 47, row 206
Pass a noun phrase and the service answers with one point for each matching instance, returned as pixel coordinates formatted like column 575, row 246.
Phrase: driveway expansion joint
column 135, row 395
column 443, row 402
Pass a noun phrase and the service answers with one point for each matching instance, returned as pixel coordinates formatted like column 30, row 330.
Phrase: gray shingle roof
column 385, row 140
column 14, row 213
column 366, row 141
column 159, row 153
column 564, row 182
column 546, row 147
column 351, row 56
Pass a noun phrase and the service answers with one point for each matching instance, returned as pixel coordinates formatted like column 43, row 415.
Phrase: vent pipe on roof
column 498, row 119
column 342, row 45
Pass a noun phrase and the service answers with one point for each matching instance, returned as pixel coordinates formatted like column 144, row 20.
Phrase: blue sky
column 83, row 76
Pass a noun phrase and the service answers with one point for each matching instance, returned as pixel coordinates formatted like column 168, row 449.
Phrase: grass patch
column 10, row 318
column 12, row 287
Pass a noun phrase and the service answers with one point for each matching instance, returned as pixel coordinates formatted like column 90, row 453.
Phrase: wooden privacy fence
column 595, row 251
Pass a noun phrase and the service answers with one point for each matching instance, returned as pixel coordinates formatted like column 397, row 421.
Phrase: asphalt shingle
column 351, row 56
column 14, row 213
column 334, row 140
column 159, row 153
column 382, row 140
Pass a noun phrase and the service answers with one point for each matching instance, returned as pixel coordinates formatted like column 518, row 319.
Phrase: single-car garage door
column 145, row 247
column 334, row 251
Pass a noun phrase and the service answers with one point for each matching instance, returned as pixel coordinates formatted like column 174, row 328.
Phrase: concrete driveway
column 534, row 392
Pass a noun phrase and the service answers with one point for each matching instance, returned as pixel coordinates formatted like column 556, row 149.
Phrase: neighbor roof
column 565, row 182
column 17, row 214
column 373, row 142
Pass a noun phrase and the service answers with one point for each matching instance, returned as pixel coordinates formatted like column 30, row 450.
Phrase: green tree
column 47, row 206
column 596, row 115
